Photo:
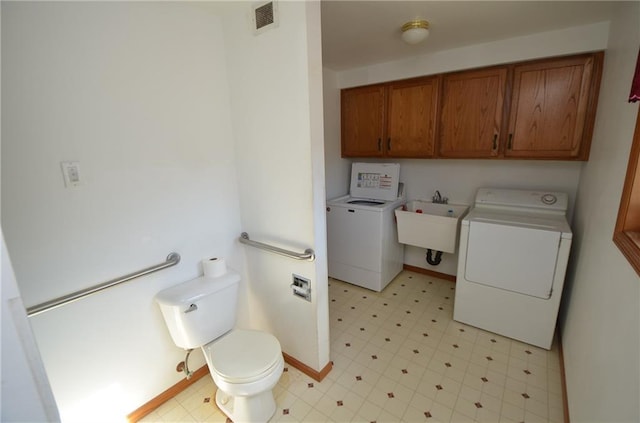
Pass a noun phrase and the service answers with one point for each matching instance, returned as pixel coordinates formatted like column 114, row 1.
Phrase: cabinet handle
column 495, row 141
column 379, row 144
column 388, row 144
column 509, row 142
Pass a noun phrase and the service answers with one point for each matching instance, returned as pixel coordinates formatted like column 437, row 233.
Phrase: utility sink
column 430, row 225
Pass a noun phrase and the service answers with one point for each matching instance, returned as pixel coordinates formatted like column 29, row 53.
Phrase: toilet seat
column 244, row 356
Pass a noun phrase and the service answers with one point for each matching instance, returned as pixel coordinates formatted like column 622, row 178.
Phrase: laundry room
column 593, row 185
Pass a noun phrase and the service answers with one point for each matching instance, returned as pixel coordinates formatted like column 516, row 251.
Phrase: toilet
column 244, row 364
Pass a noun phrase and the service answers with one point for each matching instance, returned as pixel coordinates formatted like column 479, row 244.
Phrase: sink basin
column 430, row 225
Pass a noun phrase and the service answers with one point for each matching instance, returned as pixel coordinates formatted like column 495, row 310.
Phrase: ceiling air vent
column 265, row 16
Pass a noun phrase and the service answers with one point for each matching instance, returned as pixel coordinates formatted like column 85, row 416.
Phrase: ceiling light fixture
column 416, row 31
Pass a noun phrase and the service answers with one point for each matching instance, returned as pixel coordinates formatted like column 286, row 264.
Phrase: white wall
column 276, row 100
column 601, row 330
column 460, row 179
column 337, row 170
column 138, row 94
column 25, row 395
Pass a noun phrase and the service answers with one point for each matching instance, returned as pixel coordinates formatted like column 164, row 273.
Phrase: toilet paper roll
column 214, row 267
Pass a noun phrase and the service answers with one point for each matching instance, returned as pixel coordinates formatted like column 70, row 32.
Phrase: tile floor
column 399, row 357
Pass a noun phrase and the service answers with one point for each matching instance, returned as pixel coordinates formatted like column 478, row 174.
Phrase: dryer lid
column 553, row 223
column 244, row 355
column 547, row 202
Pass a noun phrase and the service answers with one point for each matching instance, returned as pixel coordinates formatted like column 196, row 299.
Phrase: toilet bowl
column 245, row 366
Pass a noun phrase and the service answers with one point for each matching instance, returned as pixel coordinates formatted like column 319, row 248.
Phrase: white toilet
column 245, row 364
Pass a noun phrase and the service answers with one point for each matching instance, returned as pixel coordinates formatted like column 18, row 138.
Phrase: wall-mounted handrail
column 172, row 260
column 307, row 255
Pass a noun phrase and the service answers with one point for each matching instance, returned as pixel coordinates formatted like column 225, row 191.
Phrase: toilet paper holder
column 301, row 287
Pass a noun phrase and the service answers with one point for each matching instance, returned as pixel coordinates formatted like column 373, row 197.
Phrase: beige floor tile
column 342, row 414
column 485, row 415
column 177, row 414
column 311, row 396
column 150, row 418
column 537, row 408
column 369, row 411
column 493, row 389
column 386, row 417
column 514, row 398
column 326, row 404
column 297, row 411
column 167, row 407
column 556, row 414
column 440, row 412
column 512, row 412
column 446, row 398
column 353, row 401
column 414, row 415
column 469, row 394
column 489, row 402
column 518, row 386
column 467, row 408
column 534, row 418
column 316, row 416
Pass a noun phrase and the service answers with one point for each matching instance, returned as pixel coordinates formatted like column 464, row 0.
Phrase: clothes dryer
column 513, row 254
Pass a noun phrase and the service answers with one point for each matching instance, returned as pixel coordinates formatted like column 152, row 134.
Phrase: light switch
column 71, row 173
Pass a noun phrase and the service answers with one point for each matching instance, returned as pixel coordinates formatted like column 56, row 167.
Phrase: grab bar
column 307, row 255
column 172, row 260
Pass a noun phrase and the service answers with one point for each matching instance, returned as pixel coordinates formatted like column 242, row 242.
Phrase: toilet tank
column 200, row 310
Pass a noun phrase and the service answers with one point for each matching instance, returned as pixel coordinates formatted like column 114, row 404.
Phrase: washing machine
column 514, row 248
column 362, row 238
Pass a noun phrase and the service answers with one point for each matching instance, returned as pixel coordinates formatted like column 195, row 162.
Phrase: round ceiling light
column 416, row 31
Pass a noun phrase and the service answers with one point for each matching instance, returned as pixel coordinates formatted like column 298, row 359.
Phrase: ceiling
column 358, row 33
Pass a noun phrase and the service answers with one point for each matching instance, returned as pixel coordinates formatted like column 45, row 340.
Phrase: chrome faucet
column 439, row 199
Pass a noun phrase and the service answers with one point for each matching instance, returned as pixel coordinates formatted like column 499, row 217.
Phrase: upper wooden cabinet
column 363, row 116
column 553, row 108
column 412, row 117
column 396, row 119
column 542, row 109
column 472, row 109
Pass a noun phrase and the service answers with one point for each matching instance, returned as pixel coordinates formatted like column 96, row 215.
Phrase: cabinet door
column 362, row 114
column 412, row 113
column 549, row 108
column 472, row 113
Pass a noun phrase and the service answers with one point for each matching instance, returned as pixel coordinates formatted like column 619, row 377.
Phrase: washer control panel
column 551, row 201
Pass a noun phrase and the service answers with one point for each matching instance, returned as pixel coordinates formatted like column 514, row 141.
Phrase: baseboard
column 429, row 272
column 314, row 374
column 563, row 378
column 167, row 395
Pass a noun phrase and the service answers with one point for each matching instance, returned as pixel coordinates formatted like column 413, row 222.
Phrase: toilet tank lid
column 194, row 289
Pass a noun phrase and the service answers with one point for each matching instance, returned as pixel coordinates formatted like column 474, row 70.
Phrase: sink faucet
column 439, row 199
